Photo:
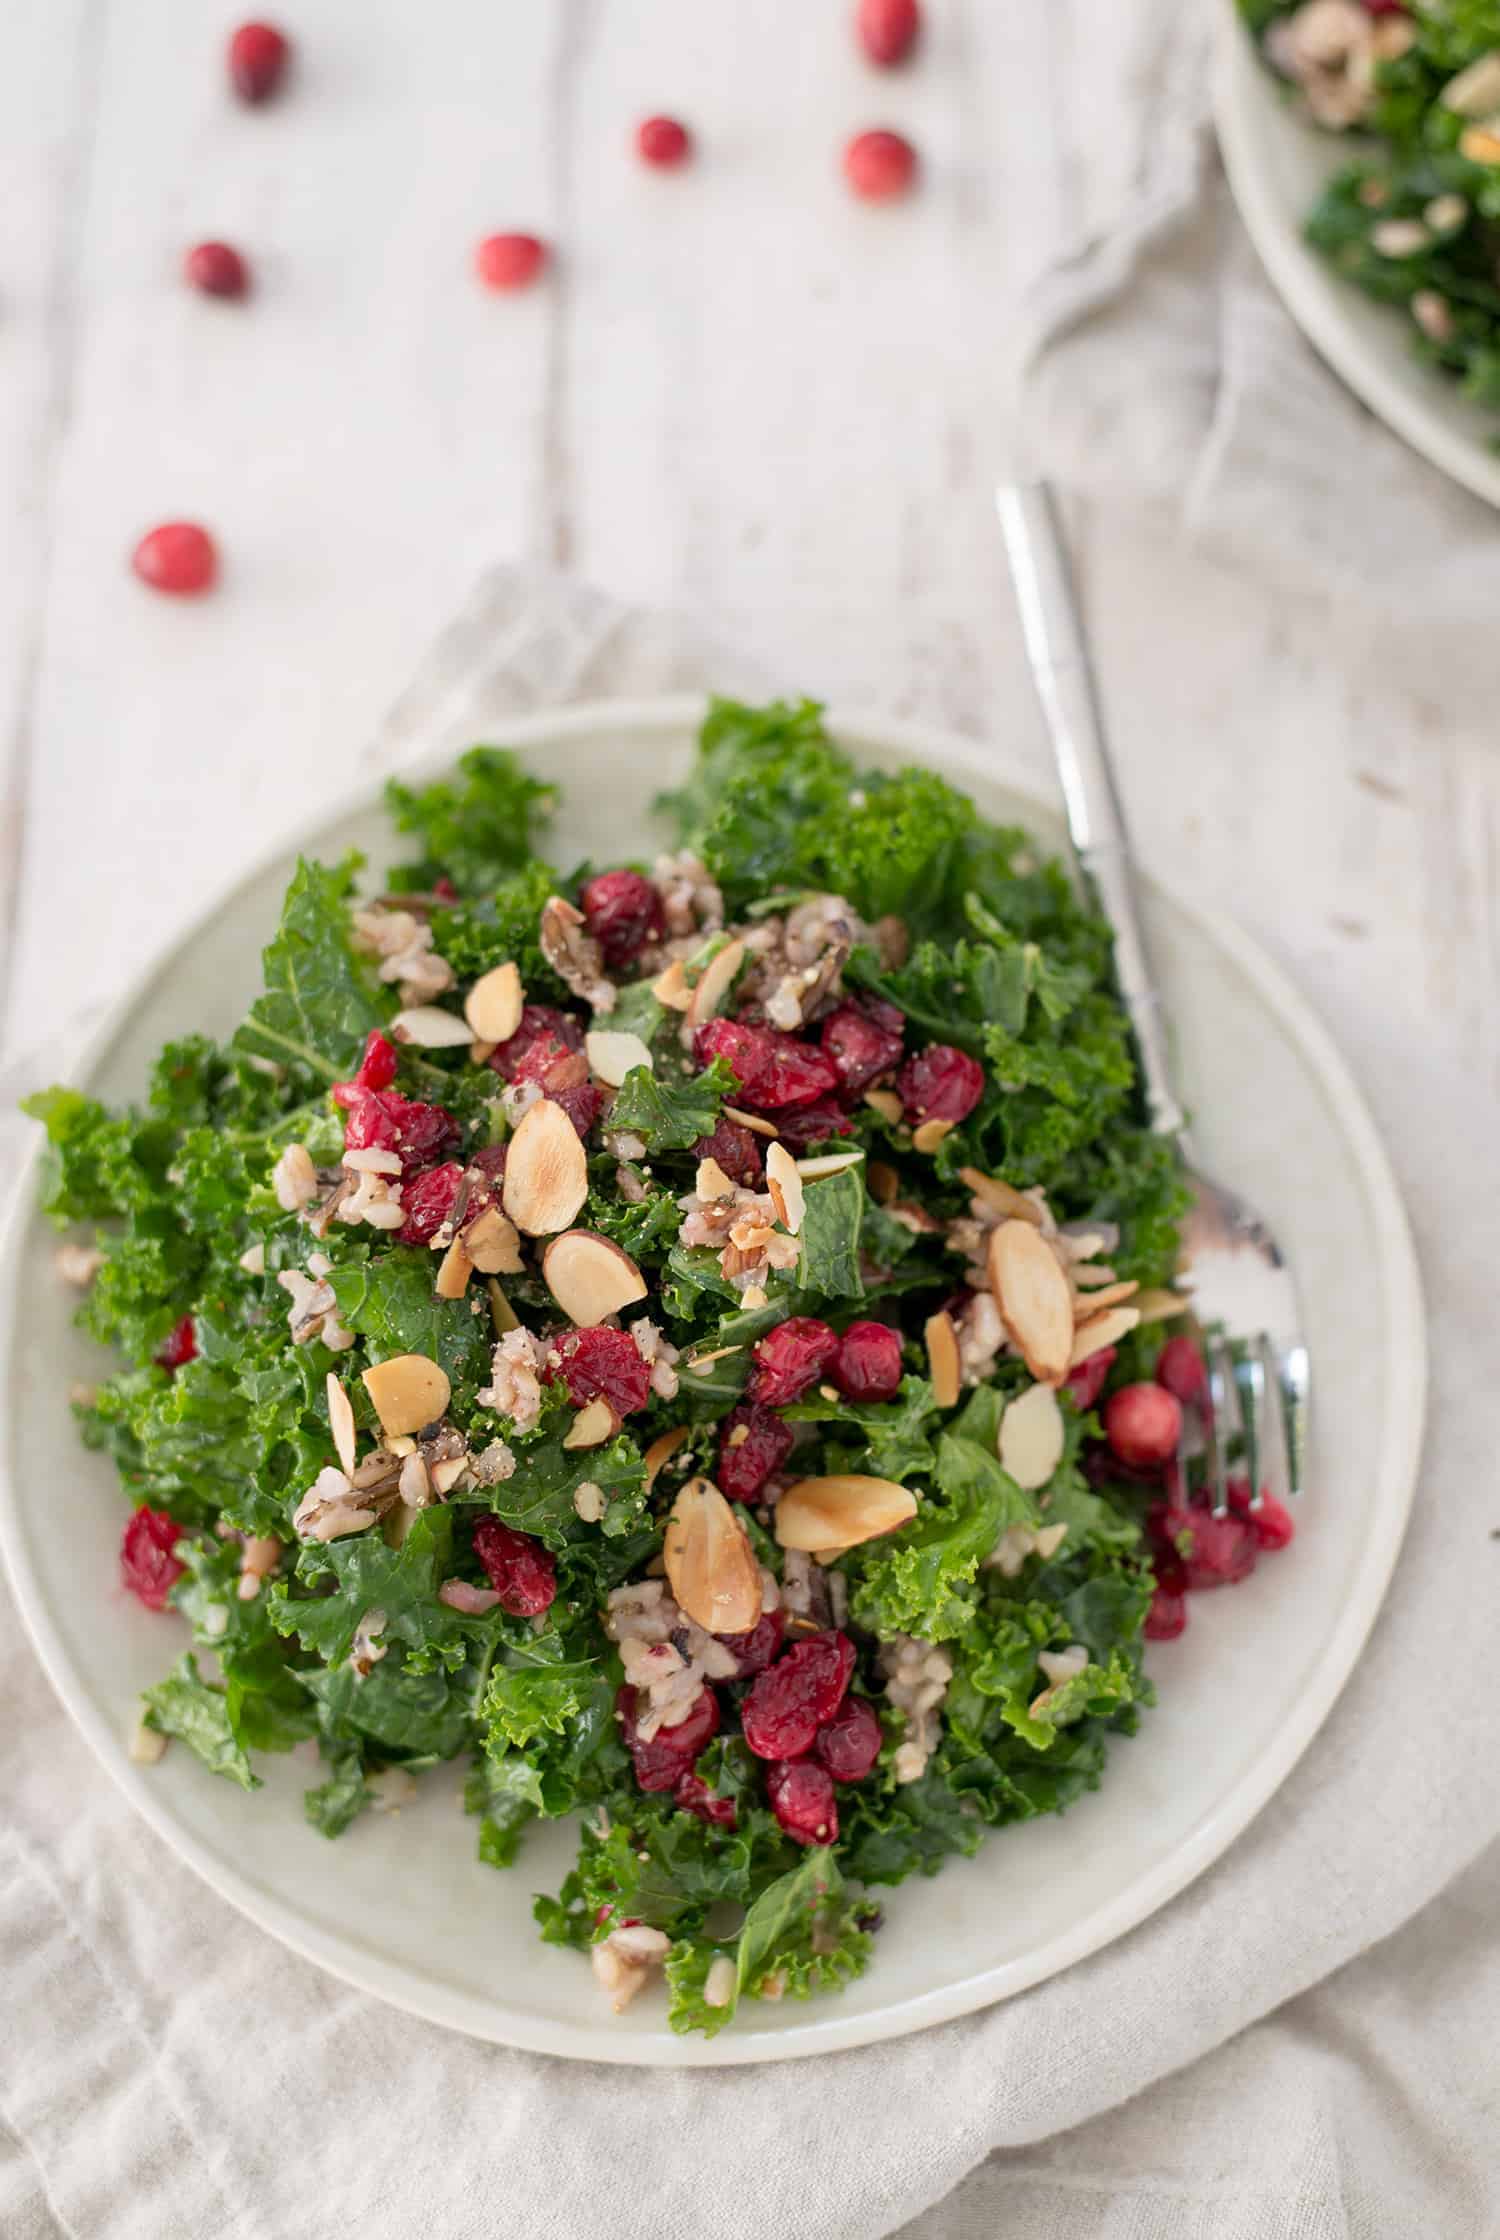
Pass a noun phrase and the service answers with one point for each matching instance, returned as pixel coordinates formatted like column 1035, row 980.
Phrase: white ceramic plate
column 410, row 1914
column 1278, row 164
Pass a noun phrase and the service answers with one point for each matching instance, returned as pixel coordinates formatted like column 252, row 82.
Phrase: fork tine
column 1219, row 1421
column 1250, row 1379
column 1292, row 1376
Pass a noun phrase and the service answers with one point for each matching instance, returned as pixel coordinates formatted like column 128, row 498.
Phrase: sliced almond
column 1094, row 1302
column 943, row 1364
column 785, row 1185
column 1478, row 144
column 1010, row 1204
column 711, row 1181
column 819, row 1514
column 753, row 1299
column 883, row 1182
column 671, row 989
column 493, row 1244
column 502, row 1314
column 445, row 1475
column 886, row 1103
column 1051, row 1537
column 701, row 1363
column 595, row 1422
column 1033, row 1298
column 830, row 1162
column 1032, row 1437
column 428, row 1027
column 711, row 1566
column 756, row 1122
column 1160, row 1306
column 711, row 992
column 1102, row 1330
column 931, row 1134
column 341, row 1423
column 454, row 1271
column 590, row 1278
column 662, row 1450
column 480, row 1053
column 494, row 1004
column 612, row 1054
column 408, row 1392
column 546, row 1173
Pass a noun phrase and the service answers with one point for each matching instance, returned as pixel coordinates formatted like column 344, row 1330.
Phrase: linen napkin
column 167, row 2072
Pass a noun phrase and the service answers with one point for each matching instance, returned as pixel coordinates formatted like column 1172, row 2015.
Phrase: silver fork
column 1242, row 1291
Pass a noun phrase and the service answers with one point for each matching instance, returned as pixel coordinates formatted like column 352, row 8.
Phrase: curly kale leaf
column 353, row 1576
column 833, row 1213
column 319, row 1002
column 503, row 927
column 476, row 827
column 187, row 1707
column 890, row 1438
column 668, row 1114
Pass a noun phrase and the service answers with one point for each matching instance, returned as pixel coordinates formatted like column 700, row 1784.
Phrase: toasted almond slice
column 445, row 1475
column 711, row 1181
column 595, row 1422
column 711, row 1566
column 492, row 1244
column 480, row 1053
column 1032, row 1438
column 883, row 1182
column 341, row 1423
column 547, row 1172
column 701, row 1363
column 662, row 1449
column 886, row 1103
column 1092, row 1302
column 409, row 1391
column 670, row 988
column 1032, row 1295
column 931, row 1134
column 819, row 1514
column 454, row 1271
column 1090, row 1275
column 1011, row 1205
column 1160, row 1306
column 1102, row 1330
column 753, row 1299
column 1478, row 144
column 502, row 1314
column 590, row 1278
column 711, row 991
column 147, row 1747
column 756, row 1122
column 612, row 1054
column 943, row 1363
column 829, row 1162
column 494, row 1004
column 428, row 1027
column 785, row 1185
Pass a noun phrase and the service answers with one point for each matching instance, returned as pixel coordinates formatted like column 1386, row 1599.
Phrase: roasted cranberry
column 1273, row 1522
column 214, row 269
column 736, row 1149
column 522, row 1572
column 867, row 1365
column 862, row 1040
column 786, row 1705
column 540, row 1023
column 754, row 1650
column 790, row 1359
column 379, row 1119
column 690, row 1793
column 623, row 912
column 940, row 1083
column 671, row 1752
column 850, row 1743
column 879, row 165
column 1167, row 1616
column 802, row 1799
column 377, row 1068
column 1090, row 1377
column 606, row 1364
column 179, row 558
column 1214, row 1551
column 1181, row 1371
column 753, row 1443
column 887, row 29
column 807, row 1124
column 506, row 261
column 774, row 1069
column 179, row 1346
column 427, row 1200
column 147, row 1564
column 1143, row 1424
column 664, row 142
column 258, row 56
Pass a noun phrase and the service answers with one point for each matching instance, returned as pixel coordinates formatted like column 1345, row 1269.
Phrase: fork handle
column 1057, row 652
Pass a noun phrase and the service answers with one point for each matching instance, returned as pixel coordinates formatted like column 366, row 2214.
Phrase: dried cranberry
column 444, row 889
column 258, row 56
column 671, row 1752
column 606, row 1364
column 1213, row 1551
column 887, row 29
column 427, row 1200
column 802, row 1799
column 1090, row 1377
column 179, row 1346
column 147, row 1564
column 850, row 1743
column 736, row 1149
column 179, row 557
column 774, row 1069
column 489, row 1161
column 506, row 261
column 808, row 1124
column 522, row 1572
column 745, row 1463
column 1167, row 1616
column 214, row 269
column 862, row 1040
column 377, row 1067
column 582, row 1101
column 1273, row 1523
column 867, row 1365
column 791, row 1358
column 664, row 142
column 623, row 912
column 690, row 1793
column 1180, row 1368
column 379, row 1119
column 1143, row 1424
column 879, row 165
column 786, row 1705
column 940, row 1083
column 540, row 1023
column 754, row 1650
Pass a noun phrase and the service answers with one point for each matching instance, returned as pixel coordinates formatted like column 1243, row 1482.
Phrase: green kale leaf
column 320, row 1002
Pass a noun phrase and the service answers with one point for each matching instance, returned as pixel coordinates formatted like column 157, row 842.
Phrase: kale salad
column 693, row 1343
column 1414, row 219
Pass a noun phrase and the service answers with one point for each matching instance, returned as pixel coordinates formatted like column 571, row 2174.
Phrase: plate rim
column 481, row 2017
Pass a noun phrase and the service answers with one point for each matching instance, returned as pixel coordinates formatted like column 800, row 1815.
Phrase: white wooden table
column 739, row 392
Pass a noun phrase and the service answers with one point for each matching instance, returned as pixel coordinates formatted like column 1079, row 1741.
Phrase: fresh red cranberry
column 773, row 1069
column 1214, row 1551
column 1273, row 1523
column 754, row 1650
column 672, row 1751
column 214, row 269
column 179, row 557
column 507, row 261
column 807, row 1124
column 258, row 56
column 1167, row 1616
column 1090, row 1377
column 940, row 1083
column 664, row 142
column 745, row 1463
column 692, row 1794
column 790, row 1359
column 867, row 1365
column 737, row 1150
column 606, row 1364
column 623, row 912
column 147, row 1564
column 427, row 1200
column 879, row 166
column 802, row 1799
column 850, row 1743
column 1143, row 1424
column 179, row 1346
column 540, row 1023
column 786, row 1705
column 522, row 1572
column 380, row 1120
column 1180, row 1370
column 887, row 30
column 862, row 1040
column 377, row 1068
